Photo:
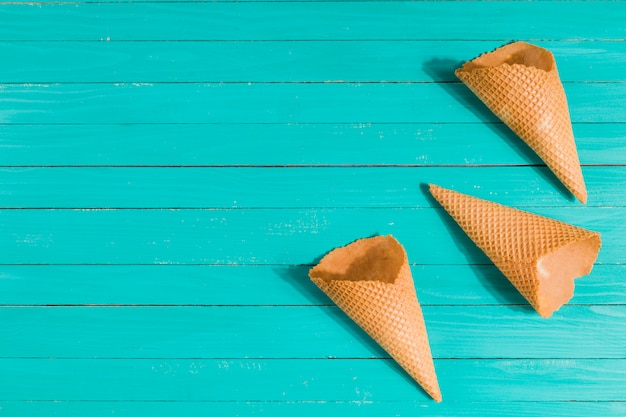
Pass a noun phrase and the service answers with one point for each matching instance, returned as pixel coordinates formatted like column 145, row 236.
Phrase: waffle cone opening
column 518, row 53
column 374, row 259
column 557, row 270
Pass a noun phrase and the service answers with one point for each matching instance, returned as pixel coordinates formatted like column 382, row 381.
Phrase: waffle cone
column 370, row 280
column 540, row 256
column 520, row 84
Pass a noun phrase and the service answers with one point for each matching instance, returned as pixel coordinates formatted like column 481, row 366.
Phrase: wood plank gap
column 41, row 83
column 353, row 123
column 394, row 40
column 291, row 166
column 329, row 358
column 326, row 305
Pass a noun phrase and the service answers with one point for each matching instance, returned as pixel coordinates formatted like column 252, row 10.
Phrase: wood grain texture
column 291, row 144
column 277, row 103
column 493, row 332
column 314, row 408
column 280, row 61
column 502, row 21
column 266, row 285
column 309, row 380
column 262, row 236
column 169, row 171
column 289, row 187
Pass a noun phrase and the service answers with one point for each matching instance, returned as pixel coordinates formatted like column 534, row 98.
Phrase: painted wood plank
column 314, row 20
column 261, row 236
column 313, row 408
column 266, row 285
column 291, row 61
column 289, row 187
column 291, row 144
column 277, row 238
column 277, row 103
column 310, row 380
column 494, row 332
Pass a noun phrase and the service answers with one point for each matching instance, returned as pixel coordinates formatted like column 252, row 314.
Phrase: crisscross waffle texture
column 517, row 241
column 520, row 84
column 370, row 280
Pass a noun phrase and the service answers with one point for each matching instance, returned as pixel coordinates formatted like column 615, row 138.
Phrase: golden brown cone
column 540, row 256
column 520, row 84
column 370, row 280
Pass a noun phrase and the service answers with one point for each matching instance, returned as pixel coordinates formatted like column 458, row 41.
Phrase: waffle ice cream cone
column 370, row 280
column 540, row 256
column 520, row 84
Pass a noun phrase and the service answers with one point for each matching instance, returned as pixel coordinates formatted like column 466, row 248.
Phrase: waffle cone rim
column 495, row 51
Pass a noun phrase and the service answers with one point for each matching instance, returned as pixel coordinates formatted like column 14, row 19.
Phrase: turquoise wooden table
column 171, row 170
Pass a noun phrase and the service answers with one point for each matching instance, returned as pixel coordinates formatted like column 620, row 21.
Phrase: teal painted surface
column 169, row 171
column 291, row 61
column 240, row 188
column 278, row 103
column 242, row 380
column 317, row 144
column 513, row 331
column 431, row 21
column 312, row 408
column 258, row 236
column 265, row 285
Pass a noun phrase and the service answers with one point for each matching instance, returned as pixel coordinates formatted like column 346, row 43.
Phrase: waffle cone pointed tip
column 370, row 280
column 434, row 189
column 580, row 193
column 540, row 256
column 520, row 84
